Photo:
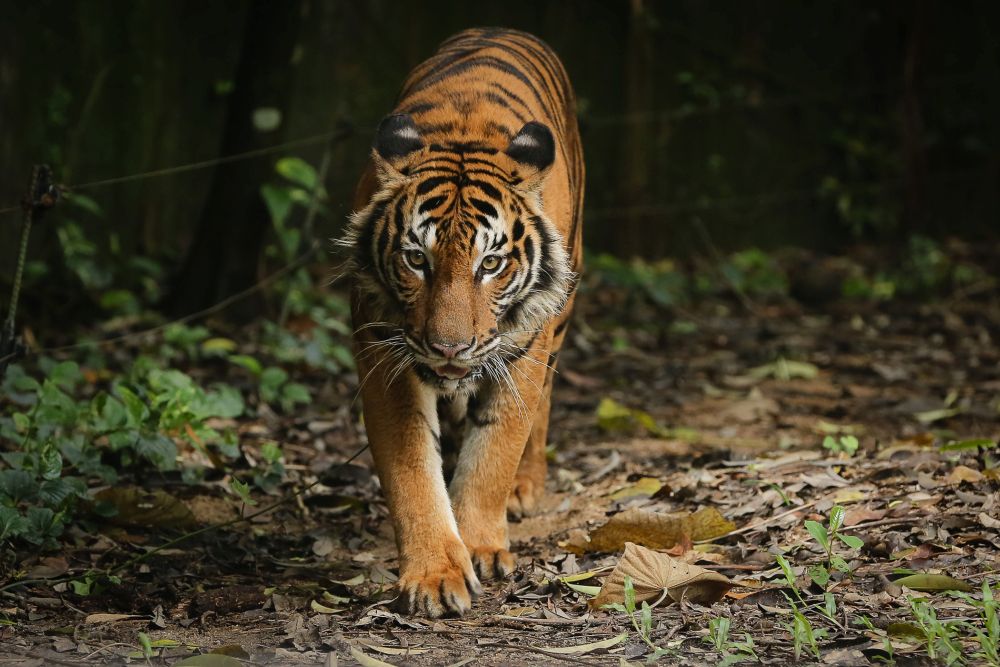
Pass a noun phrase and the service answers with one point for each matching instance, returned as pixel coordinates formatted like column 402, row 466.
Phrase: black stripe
column 431, row 183
column 483, row 207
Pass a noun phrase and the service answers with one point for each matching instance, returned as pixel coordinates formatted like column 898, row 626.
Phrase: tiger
column 464, row 256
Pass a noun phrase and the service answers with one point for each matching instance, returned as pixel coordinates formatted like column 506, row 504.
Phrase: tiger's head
column 454, row 255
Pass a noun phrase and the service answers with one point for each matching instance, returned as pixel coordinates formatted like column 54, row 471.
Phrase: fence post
column 41, row 196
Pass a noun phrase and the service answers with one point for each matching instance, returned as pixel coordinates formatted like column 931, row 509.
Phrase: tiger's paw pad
column 492, row 562
column 524, row 498
column 445, row 591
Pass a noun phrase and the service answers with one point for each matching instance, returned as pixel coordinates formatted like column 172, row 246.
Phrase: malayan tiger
column 464, row 255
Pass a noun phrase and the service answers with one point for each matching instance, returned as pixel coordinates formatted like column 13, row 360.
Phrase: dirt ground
column 735, row 401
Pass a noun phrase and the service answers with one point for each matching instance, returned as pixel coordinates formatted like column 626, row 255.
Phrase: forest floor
column 771, row 415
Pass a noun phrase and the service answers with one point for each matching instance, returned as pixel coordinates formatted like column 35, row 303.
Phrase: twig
column 540, row 651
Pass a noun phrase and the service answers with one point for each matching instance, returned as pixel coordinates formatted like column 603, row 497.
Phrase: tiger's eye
column 490, row 263
column 416, row 258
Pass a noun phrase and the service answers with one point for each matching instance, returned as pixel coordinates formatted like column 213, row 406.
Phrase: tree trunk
column 223, row 257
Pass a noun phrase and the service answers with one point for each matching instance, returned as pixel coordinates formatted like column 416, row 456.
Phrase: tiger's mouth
column 448, row 376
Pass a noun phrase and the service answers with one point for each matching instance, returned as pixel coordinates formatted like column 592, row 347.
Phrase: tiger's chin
column 449, row 379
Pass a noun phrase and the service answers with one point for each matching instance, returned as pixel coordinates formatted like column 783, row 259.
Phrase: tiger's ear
column 533, row 146
column 396, row 137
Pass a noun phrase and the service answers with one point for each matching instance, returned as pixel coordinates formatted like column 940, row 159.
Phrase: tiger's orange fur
column 465, row 247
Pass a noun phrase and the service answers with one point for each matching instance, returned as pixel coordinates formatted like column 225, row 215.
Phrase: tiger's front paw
column 492, row 562
column 439, row 584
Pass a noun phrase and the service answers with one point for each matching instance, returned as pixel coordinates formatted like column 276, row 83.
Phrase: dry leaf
column 963, row 474
column 658, row 531
column 367, row 660
column 394, row 650
column 146, row 509
column 652, row 573
column 585, row 648
column 645, row 486
column 93, row 619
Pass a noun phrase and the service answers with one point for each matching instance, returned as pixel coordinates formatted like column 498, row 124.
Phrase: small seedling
column 732, row 651
column 827, row 536
column 845, row 444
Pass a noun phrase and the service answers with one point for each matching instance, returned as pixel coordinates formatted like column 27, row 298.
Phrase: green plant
column 65, row 432
column 732, row 651
column 827, row 536
column 941, row 639
column 988, row 635
column 275, row 387
column 845, row 444
column 803, row 634
column 644, row 624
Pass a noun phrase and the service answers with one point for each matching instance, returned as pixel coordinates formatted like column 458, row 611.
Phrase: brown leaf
column 141, row 508
column 652, row 573
column 658, row 531
column 963, row 474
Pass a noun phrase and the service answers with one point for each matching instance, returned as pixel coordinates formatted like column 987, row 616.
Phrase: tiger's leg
column 499, row 423
column 436, row 573
column 529, row 482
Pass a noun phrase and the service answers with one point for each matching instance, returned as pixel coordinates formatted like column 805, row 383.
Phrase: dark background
column 741, row 123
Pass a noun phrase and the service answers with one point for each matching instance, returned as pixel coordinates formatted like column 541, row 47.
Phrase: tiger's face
column 455, row 253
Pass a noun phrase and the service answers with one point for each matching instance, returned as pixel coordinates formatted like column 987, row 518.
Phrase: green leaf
column 158, row 449
column 837, row 515
column 819, row 533
column 271, row 380
column 137, row 411
column 12, row 524
column 851, row 541
column 223, row 401
column 66, row 374
column 146, row 644
column 297, row 171
column 839, row 564
column 592, row 591
column 293, row 393
column 786, row 569
column 43, row 525
column 219, row 346
column 18, row 486
column 933, row 583
column 819, row 574
column 966, row 445
column 241, row 489
column 246, row 362
column 55, row 492
column 278, row 202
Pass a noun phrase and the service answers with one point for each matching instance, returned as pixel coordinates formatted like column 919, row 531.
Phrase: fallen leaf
column 656, row 530
column 586, row 590
column 644, row 486
column 209, row 660
column 580, row 649
column 322, row 609
column 137, row 507
column 931, row 416
column 368, row 661
column 394, row 650
column 988, row 521
column 932, row 583
column 653, row 573
column 783, row 369
column 961, row 474
column 49, row 568
column 93, row 619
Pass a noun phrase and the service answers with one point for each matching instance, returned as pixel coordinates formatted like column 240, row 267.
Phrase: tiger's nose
column 451, row 350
